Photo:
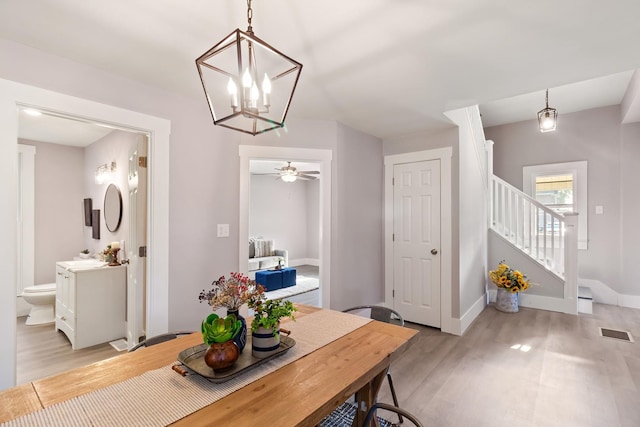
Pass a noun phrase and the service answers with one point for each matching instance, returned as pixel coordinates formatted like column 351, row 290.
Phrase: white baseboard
column 537, row 301
column 631, row 301
column 304, row 261
column 461, row 325
column 603, row 294
column 22, row 308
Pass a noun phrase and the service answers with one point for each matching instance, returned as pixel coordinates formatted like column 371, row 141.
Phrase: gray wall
column 204, row 180
column 313, row 220
column 115, row 147
column 64, row 177
column 357, row 235
column 279, row 211
column 59, row 215
column 472, row 221
column 630, row 209
column 595, row 136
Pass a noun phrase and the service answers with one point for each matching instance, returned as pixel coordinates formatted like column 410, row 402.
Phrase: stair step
column 584, row 293
column 585, row 300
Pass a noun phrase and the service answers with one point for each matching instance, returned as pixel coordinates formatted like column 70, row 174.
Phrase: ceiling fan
column 291, row 173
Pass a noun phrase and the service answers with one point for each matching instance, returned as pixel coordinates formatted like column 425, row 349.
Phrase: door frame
column 14, row 95
column 323, row 157
column 444, row 156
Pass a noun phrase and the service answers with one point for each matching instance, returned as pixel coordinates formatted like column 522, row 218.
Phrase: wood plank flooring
column 41, row 352
column 570, row 376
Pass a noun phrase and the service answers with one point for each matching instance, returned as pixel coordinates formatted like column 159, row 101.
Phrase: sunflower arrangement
column 512, row 280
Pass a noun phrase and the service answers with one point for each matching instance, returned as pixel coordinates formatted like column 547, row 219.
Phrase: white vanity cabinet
column 91, row 304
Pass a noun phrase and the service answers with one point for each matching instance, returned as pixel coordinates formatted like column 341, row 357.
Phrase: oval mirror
column 112, row 207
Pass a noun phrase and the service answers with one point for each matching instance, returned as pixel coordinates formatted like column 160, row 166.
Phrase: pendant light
column 547, row 117
column 248, row 83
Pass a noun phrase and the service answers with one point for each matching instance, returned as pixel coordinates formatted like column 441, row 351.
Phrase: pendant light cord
column 546, row 98
column 249, row 16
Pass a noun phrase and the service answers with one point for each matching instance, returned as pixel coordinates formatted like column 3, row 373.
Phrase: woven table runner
column 160, row 397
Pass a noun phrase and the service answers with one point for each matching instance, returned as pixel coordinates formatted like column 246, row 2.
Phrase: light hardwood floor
column 41, row 352
column 570, row 376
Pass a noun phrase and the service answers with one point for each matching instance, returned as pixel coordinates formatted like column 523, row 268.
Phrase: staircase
column 544, row 236
column 531, row 231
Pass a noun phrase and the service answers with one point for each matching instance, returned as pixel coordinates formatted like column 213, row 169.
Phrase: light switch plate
column 599, row 210
column 223, row 230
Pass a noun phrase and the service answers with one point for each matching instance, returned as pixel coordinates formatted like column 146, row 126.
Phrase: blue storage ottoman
column 288, row 277
column 270, row 279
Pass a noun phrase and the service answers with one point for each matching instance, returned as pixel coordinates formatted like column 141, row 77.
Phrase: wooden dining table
column 300, row 393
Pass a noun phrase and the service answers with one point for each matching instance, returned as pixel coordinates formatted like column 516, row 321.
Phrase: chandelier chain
column 546, row 98
column 249, row 12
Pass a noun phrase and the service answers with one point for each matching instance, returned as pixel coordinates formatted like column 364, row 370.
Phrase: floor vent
column 615, row 334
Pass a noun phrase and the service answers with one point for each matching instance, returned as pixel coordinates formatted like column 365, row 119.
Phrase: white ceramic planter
column 264, row 342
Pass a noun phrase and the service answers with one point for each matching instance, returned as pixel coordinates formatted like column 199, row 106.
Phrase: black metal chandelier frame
column 251, row 102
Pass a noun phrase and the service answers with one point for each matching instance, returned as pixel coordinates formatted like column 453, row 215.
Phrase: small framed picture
column 88, row 207
column 95, row 223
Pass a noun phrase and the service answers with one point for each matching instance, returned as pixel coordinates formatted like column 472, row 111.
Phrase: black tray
column 193, row 358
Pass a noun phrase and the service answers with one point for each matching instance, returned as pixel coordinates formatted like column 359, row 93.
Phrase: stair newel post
column 571, row 263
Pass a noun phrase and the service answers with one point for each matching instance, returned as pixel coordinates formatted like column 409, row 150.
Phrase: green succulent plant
column 216, row 329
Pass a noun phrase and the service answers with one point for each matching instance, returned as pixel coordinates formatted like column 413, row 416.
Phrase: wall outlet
column 223, row 230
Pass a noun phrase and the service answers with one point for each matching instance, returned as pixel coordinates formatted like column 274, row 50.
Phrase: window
column 562, row 187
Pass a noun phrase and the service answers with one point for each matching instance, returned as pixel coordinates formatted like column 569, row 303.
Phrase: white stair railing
column 529, row 225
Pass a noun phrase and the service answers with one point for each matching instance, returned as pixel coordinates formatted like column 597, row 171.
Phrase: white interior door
column 136, row 280
column 416, row 241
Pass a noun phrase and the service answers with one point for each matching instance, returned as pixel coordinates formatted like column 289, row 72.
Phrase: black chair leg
column 393, row 396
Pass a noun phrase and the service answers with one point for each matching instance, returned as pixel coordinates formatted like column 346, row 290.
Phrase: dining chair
column 399, row 411
column 387, row 315
column 159, row 339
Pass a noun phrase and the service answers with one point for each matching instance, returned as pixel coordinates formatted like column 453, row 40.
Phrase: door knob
column 434, row 252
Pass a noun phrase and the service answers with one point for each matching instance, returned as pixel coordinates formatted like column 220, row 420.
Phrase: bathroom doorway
column 68, row 156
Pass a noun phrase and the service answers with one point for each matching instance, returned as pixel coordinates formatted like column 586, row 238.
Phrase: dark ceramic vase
column 221, row 355
column 241, row 338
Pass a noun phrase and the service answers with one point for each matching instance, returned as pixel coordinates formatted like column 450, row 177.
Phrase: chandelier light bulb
column 233, row 93
column 246, row 79
column 266, row 90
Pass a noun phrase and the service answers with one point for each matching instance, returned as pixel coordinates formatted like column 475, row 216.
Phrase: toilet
column 43, row 299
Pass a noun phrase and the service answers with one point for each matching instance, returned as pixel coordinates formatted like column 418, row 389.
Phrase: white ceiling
column 58, row 130
column 385, row 67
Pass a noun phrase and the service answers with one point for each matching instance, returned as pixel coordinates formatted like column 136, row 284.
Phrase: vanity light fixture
column 248, row 83
column 547, row 117
column 105, row 172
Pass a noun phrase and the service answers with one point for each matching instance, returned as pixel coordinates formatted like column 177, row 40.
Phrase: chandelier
column 248, row 83
column 547, row 117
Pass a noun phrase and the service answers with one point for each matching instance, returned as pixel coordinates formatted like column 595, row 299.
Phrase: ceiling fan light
column 288, row 178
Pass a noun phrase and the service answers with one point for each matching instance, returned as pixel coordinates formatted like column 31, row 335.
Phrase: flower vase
column 241, row 338
column 507, row 301
column 265, row 342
